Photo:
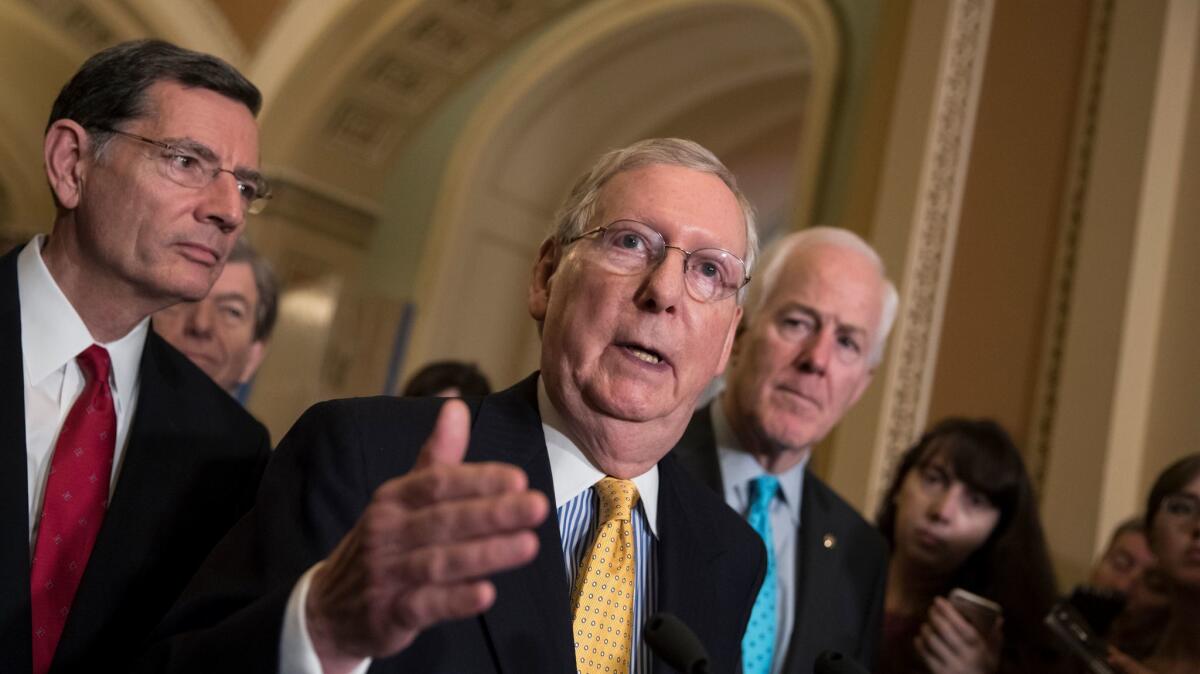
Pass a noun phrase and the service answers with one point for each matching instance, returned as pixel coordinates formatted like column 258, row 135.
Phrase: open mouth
column 642, row 353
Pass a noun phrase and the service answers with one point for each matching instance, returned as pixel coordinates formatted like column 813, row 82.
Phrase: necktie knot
column 617, row 498
column 95, row 363
column 763, row 490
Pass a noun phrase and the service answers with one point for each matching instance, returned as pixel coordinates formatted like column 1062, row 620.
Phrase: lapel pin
column 829, row 541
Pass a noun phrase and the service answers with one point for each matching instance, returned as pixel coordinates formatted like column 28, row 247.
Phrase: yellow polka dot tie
column 602, row 604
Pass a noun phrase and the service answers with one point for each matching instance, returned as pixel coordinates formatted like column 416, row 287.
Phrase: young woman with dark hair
column 960, row 513
column 1173, row 528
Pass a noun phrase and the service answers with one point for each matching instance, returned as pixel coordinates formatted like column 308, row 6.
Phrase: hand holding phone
column 980, row 612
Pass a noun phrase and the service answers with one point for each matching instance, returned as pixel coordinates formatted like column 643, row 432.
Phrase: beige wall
column 1113, row 393
column 1173, row 419
column 987, row 361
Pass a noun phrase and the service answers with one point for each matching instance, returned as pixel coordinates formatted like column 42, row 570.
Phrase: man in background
column 813, row 333
column 448, row 379
column 226, row 333
column 121, row 463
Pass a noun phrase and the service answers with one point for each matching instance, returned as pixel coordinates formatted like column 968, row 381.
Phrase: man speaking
column 416, row 532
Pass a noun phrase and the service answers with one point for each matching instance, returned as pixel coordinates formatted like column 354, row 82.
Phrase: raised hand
column 950, row 645
column 422, row 550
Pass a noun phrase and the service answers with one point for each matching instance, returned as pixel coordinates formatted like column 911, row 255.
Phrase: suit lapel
column 530, row 624
column 15, row 618
column 816, row 574
column 697, row 451
column 688, row 549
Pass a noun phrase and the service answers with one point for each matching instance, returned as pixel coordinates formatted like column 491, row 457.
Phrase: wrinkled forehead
column 181, row 114
column 690, row 208
column 832, row 279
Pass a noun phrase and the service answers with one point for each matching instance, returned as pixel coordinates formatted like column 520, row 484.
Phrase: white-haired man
column 813, row 333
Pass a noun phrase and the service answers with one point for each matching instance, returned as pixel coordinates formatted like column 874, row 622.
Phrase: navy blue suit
column 840, row 588
column 322, row 477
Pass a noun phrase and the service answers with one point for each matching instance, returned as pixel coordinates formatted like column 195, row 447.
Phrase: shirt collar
column 53, row 334
column 573, row 473
column 739, row 467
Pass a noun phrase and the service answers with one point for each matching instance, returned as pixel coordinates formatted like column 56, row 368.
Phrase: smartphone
column 980, row 612
column 1071, row 628
column 1098, row 606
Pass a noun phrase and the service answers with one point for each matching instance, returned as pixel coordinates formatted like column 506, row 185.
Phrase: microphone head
column 833, row 662
column 676, row 644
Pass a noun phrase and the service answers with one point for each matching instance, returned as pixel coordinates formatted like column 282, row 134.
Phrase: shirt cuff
column 296, row 652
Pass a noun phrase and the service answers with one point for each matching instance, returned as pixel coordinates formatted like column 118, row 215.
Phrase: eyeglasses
column 183, row 167
column 630, row 247
column 1182, row 507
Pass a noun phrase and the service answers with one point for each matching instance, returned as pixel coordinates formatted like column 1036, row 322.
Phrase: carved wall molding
column 1066, row 249
column 931, row 241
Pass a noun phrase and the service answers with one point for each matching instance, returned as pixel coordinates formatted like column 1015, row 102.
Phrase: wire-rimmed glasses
column 186, row 168
column 632, row 247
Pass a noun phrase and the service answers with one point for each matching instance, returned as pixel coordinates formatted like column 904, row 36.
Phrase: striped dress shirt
column 578, row 508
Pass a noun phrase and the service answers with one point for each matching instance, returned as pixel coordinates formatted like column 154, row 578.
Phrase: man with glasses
column 815, row 326
column 122, row 463
column 372, row 538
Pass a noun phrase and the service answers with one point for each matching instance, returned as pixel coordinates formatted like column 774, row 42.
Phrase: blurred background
column 1028, row 170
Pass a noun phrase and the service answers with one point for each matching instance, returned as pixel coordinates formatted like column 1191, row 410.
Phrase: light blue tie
column 758, row 646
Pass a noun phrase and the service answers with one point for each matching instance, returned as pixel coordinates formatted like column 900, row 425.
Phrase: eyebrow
column 235, row 296
column 822, row 319
column 204, row 152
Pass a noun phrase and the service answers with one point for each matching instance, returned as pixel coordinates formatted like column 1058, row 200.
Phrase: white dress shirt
column 738, row 470
column 52, row 335
column 571, row 473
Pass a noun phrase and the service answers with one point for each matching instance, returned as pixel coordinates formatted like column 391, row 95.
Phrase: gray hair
column 265, row 282
column 578, row 209
column 812, row 237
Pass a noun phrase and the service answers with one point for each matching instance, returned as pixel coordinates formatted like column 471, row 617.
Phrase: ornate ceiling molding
column 426, row 56
column 96, row 24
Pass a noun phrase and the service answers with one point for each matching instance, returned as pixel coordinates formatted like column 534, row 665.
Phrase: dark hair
column 1173, row 479
column 110, row 87
column 265, row 282
column 441, row 375
column 1012, row 567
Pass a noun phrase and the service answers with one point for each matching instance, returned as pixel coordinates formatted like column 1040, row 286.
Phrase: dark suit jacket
column 192, row 463
column 321, row 478
column 840, row 589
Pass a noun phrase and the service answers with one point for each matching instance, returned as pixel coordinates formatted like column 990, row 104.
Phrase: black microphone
column 676, row 644
column 832, row 662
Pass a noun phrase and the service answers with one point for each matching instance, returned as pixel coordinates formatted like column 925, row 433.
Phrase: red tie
column 73, row 506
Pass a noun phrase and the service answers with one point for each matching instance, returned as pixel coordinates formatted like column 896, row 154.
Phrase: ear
column 65, row 154
column 739, row 336
column 730, row 339
column 543, row 273
column 258, row 350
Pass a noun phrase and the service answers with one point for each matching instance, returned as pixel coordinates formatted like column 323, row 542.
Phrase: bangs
column 985, row 462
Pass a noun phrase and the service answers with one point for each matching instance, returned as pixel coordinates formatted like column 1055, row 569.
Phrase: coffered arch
column 738, row 76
